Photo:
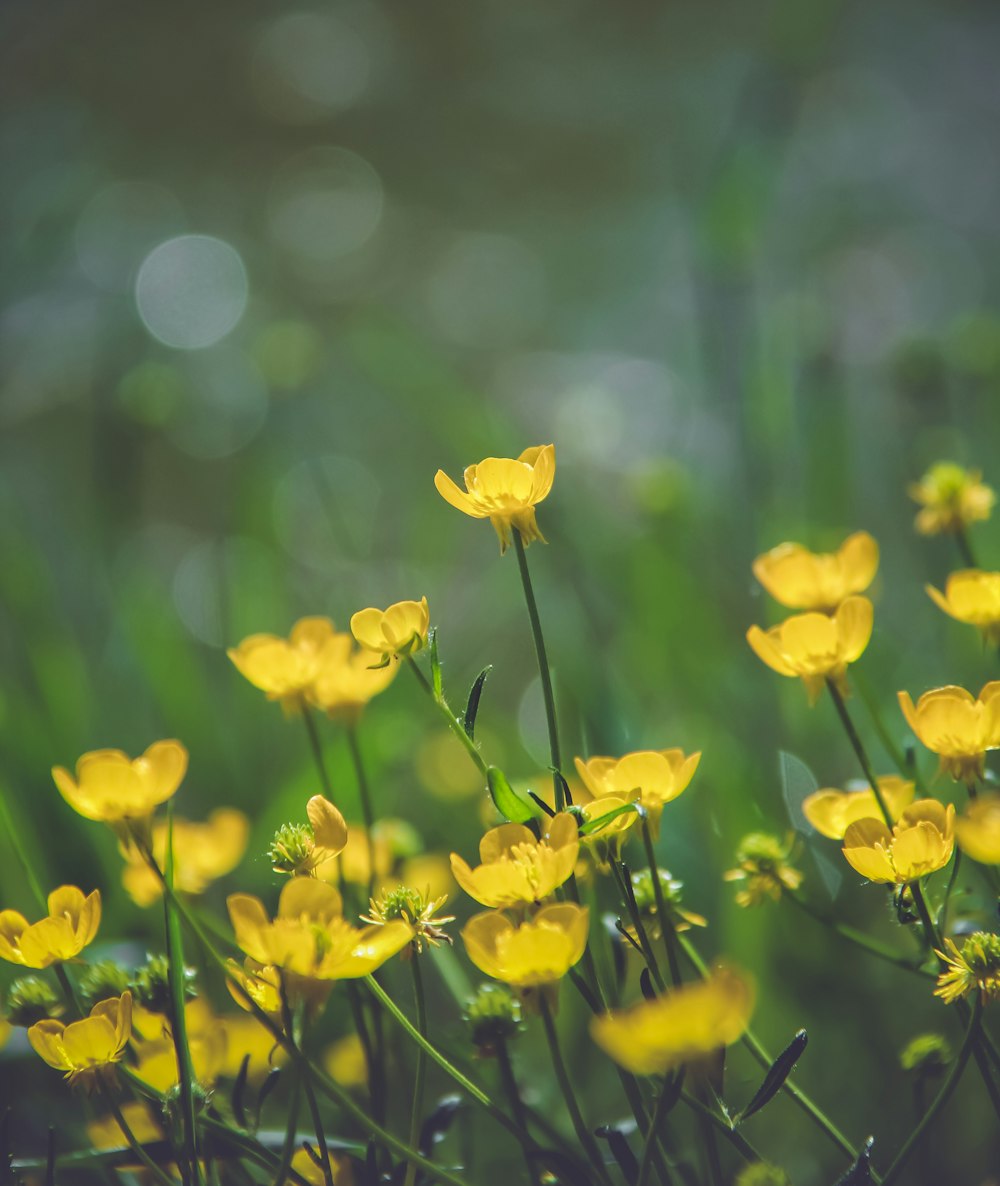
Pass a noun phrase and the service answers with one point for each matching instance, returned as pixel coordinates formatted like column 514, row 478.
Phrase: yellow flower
column 816, row 647
column 157, row 1055
column 106, row 1134
column 71, row 924
column 518, row 868
column 977, row 829
column 606, row 840
column 658, row 776
column 346, row 680
column 921, row 841
column 202, row 854
column 538, row 952
column 762, row 864
column 956, row 726
column 300, row 849
column 305, row 1167
column 86, row 1050
column 285, row 668
column 504, row 491
column 830, row 810
column 808, row 580
column 394, row 633
column 951, row 498
column 248, row 1037
column 682, row 1026
column 973, row 597
column 310, row 937
column 111, row 786
column 975, row 967
column 346, row 1063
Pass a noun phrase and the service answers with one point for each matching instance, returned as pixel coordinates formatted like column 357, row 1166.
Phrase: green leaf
column 776, row 1075
column 506, row 800
column 472, row 704
column 602, row 821
column 436, row 683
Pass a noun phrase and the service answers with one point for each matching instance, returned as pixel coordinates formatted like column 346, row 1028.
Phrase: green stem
column 543, row 671
column 142, row 1156
column 942, row 918
column 871, row 706
column 620, row 871
column 453, row 723
column 317, row 1119
column 732, row 1135
column 858, row 747
column 317, row 750
column 288, row 1148
column 666, row 925
column 964, row 547
column 665, row 1098
column 509, row 1083
column 942, row 1097
column 858, row 938
column 416, row 1113
column 364, row 795
column 10, row 831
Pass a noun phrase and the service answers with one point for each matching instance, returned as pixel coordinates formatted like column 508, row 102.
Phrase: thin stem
column 665, row 1098
column 543, row 671
column 620, row 871
column 7, row 822
column 583, row 1133
column 666, row 926
column 857, row 938
column 453, row 723
column 288, row 1147
column 858, row 747
column 942, row 1097
column 732, row 1135
column 509, row 1083
column 871, row 706
column 317, row 750
column 364, row 795
column 942, row 918
column 965, row 547
column 416, row 1113
column 135, row 1145
column 317, row 1119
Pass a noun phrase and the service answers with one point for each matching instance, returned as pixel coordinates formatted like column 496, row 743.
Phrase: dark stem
column 858, row 747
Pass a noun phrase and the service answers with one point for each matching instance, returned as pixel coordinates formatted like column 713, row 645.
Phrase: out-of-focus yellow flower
column 606, row 840
column 951, row 498
column 157, row 1055
column 285, row 668
column 922, row 840
column 762, row 862
column 5, row 1031
column 111, row 786
column 309, row 936
column 247, row 1038
column 431, row 873
column 535, row 953
column 816, row 647
column 86, row 1050
column 658, row 776
column 346, row 680
column 830, row 810
column 202, row 854
column 504, row 491
column 106, row 1134
column 975, row 968
column 972, row 597
column 394, row 633
column 956, row 726
column 345, row 1062
column 391, row 839
column 682, row 1026
column 71, row 924
column 808, row 580
column 306, row 1167
column 516, row 867
column 301, row 849
column 977, row 829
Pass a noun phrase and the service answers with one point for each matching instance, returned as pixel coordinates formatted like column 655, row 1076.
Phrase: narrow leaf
column 567, row 793
column 506, row 800
column 600, row 822
column 621, row 1151
column 435, row 663
column 861, row 1170
column 646, row 984
column 472, row 704
column 776, row 1075
column 239, row 1087
column 436, row 1126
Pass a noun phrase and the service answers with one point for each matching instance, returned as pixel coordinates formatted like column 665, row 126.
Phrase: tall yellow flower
column 816, row 647
column 957, row 726
column 538, row 952
column 921, row 841
column 972, row 597
column 808, row 580
column 86, row 1050
column 285, row 668
column 977, row 829
column 504, row 491
column 394, row 633
column 111, row 786
column 682, row 1026
column 830, row 810
column 950, row 498
column 203, row 852
column 71, row 924
column 347, row 680
column 518, row 868
column 657, row 775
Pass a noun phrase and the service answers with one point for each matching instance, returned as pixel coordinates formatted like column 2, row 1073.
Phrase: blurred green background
column 266, row 267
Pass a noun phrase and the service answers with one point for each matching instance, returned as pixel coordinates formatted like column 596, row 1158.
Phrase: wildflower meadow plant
column 567, row 941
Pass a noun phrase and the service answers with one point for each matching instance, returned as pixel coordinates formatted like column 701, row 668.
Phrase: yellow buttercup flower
column 830, row 810
column 975, row 968
column 816, row 647
column 86, row 1050
column 808, row 580
column 957, row 726
column 347, row 680
column 538, row 952
column 977, row 829
column 309, row 936
column 285, row 668
column 921, row 841
column 202, row 854
column 394, row 633
column 951, row 498
column 682, row 1026
column 504, row 491
column 71, row 924
column 657, row 775
column 110, row 786
column 973, row 597
column 301, row 849
column 516, row 867
column 762, row 862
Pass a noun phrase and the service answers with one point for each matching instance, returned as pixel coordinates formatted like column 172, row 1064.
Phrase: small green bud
column 291, row 849
column 762, row 1174
column 150, row 985
column 926, row 1054
column 493, row 1015
column 645, row 895
column 102, row 980
column 31, row 999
